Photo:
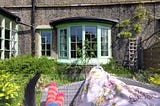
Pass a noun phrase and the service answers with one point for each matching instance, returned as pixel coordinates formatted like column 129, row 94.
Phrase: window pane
column 7, row 23
column 0, row 53
column 63, row 43
column 6, row 54
column 104, row 42
column 76, row 41
column 48, row 53
column 48, row 46
column 7, row 34
column 0, row 32
column 1, row 20
column 43, row 46
column 43, row 52
column 46, row 42
column 63, row 54
column 91, row 41
column 104, row 53
column 14, row 26
column 7, row 45
column 0, row 43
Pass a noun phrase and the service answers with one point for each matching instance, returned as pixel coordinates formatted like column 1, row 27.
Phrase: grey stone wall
column 27, row 3
column 47, row 10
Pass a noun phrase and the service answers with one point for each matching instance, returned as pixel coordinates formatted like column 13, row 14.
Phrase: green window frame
column 46, row 42
column 76, row 41
column 97, row 35
column 8, row 37
column 63, row 42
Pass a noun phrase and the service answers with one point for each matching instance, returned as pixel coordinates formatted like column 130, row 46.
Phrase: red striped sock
column 52, row 93
column 59, row 99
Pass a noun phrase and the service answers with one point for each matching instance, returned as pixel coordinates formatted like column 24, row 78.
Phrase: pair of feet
column 54, row 98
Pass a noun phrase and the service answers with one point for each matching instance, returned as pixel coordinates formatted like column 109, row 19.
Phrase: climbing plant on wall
column 133, row 26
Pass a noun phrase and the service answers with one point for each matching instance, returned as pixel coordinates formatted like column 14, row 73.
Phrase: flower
column 109, row 94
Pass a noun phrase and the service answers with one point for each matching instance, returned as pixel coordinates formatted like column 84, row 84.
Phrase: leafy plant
column 155, row 79
column 125, row 34
column 123, row 23
column 140, row 13
column 18, row 71
column 137, row 28
column 86, row 54
column 8, row 88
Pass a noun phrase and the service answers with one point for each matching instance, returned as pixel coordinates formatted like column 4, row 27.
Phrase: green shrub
column 23, row 68
column 8, row 88
column 114, row 68
column 29, row 65
column 155, row 79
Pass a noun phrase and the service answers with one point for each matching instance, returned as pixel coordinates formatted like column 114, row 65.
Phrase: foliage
column 29, row 65
column 125, row 34
column 140, row 13
column 25, row 67
column 123, row 23
column 132, row 27
column 68, row 73
column 114, row 68
column 155, row 79
column 137, row 28
column 154, row 71
column 86, row 56
column 8, row 88
column 22, row 68
column 141, row 75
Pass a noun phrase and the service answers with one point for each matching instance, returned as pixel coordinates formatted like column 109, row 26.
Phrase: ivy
column 137, row 28
column 132, row 27
column 140, row 13
column 123, row 24
column 125, row 34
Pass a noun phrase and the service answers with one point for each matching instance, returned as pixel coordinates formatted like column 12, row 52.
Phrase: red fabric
column 59, row 99
column 54, row 96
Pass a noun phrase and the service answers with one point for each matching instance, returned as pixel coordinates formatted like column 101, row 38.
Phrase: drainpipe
column 33, row 27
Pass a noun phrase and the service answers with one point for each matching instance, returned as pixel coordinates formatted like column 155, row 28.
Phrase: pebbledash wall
column 52, row 10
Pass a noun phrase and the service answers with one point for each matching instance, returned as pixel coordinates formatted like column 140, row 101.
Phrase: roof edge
column 54, row 23
column 4, row 12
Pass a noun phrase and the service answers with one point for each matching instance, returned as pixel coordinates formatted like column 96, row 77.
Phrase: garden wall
column 151, row 56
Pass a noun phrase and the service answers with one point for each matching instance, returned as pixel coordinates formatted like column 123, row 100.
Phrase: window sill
column 93, row 61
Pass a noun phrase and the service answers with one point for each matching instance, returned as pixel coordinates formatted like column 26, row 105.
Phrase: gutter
column 33, row 28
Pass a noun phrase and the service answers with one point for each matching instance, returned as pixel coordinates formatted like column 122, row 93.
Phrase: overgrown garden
column 16, row 72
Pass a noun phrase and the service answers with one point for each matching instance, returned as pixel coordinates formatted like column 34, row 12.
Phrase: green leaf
column 2, row 94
